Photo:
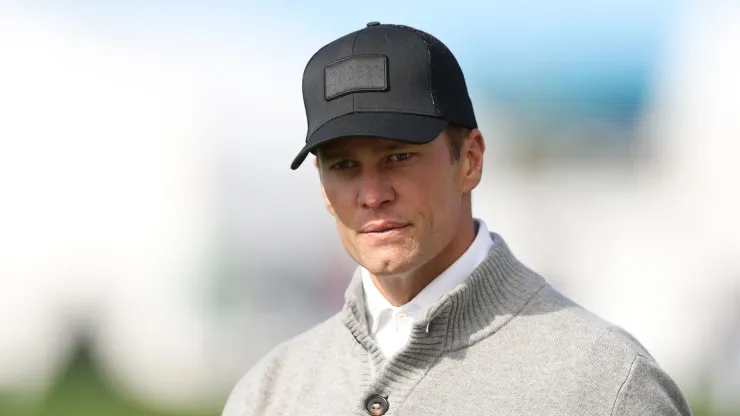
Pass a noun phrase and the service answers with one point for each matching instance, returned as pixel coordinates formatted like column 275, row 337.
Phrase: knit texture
column 502, row 343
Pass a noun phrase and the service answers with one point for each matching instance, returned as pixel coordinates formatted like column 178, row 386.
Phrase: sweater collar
column 493, row 293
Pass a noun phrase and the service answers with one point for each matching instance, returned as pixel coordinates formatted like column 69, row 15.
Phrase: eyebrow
column 345, row 151
column 395, row 146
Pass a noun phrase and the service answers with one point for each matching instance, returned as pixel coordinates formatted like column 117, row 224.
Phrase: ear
column 471, row 156
column 329, row 207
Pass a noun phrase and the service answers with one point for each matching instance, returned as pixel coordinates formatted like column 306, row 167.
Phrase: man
column 440, row 317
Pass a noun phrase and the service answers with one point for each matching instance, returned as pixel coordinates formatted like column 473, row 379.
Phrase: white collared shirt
column 391, row 325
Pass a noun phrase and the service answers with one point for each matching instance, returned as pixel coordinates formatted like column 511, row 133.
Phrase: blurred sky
column 530, row 53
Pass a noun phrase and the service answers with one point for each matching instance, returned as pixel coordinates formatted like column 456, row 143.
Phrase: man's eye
column 400, row 156
column 345, row 164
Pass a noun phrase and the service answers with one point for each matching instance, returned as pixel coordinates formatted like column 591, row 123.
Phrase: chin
column 388, row 263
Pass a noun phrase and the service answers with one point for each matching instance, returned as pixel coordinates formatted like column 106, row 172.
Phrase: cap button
column 373, row 24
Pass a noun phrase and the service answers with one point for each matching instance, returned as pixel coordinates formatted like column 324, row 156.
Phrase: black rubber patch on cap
column 355, row 74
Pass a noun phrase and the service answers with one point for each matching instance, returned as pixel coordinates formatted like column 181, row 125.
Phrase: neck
column 400, row 290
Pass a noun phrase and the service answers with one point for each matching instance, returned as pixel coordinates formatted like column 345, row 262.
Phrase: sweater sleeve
column 251, row 395
column 246, row 391
column 648, row 390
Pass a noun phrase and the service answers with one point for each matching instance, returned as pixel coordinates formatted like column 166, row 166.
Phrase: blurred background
column 154, row 242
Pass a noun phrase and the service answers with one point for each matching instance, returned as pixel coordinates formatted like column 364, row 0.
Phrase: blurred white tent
column 697, row 131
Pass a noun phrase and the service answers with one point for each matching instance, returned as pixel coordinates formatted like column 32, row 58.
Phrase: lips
column 382, row 227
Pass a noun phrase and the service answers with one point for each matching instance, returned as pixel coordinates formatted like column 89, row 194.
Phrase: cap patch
column 355, row 74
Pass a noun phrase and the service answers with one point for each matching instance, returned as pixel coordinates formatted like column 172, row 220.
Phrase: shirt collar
column 376, row 304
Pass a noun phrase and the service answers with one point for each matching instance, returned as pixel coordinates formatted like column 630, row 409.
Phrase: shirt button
column 376, row 405
column 402, row 318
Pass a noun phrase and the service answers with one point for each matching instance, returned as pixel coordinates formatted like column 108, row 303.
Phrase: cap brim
column 406, row 128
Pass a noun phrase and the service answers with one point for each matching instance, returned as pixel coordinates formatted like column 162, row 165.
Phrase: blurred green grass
column 82, row 392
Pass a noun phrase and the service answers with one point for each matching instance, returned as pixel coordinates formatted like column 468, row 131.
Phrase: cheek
column 418, row 196
column 341, row 203
column 436, row 197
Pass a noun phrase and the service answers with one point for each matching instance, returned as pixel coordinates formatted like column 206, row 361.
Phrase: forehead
column 354, row 145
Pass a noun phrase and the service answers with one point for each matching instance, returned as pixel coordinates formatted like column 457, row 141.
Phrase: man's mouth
column 382, row 227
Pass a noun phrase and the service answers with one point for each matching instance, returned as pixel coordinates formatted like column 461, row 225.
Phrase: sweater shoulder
column 584, row 325
column 629, row 378
column 290, row 359
column 311, row 342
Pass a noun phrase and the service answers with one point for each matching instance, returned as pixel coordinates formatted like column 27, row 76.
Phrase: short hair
column 456, row 135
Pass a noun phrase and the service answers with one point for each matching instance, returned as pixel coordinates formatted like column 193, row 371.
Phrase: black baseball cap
column 386, row 81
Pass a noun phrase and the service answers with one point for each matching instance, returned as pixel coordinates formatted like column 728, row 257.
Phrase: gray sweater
column 502, row 343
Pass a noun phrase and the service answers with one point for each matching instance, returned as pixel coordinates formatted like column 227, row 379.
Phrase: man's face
column 397, row 206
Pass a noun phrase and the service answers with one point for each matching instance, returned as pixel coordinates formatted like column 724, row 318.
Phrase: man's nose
column 375, row 189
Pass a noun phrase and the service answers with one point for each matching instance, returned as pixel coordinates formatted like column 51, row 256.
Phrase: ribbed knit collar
column 496, row 291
